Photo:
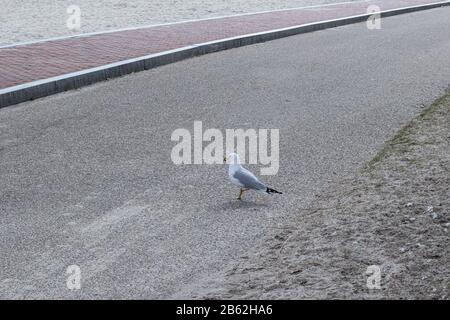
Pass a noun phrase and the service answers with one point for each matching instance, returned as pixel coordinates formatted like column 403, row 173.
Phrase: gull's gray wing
column 248, row 180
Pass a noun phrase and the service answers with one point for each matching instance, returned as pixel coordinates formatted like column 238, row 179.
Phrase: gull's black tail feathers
column 270, row 190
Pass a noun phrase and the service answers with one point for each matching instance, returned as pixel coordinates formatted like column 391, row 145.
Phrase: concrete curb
column 41, row 88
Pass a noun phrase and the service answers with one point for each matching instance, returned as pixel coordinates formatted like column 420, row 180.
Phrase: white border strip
column 81, row 35
column 188, row 51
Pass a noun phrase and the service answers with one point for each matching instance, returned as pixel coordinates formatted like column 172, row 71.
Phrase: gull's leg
column 241, row 193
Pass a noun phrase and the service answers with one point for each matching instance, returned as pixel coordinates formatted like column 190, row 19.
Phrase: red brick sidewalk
column 27, row 63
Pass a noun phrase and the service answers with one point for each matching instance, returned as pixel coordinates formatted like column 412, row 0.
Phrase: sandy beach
column 34, row 20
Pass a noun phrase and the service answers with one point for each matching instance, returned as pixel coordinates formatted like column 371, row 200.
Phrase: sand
column 31, row 20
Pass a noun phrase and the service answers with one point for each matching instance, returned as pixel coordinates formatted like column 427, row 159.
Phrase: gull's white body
column 234, row 167
column 233, row 180
column 243, row 178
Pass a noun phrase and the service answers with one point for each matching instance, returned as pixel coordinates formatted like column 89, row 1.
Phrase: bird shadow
column 240, row 204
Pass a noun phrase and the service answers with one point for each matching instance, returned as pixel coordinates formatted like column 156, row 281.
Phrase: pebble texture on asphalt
column 86, row 176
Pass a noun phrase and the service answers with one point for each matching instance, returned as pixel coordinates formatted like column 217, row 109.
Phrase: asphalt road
column 87, row 179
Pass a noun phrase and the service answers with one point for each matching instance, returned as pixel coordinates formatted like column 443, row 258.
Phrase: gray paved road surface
column 86, row 176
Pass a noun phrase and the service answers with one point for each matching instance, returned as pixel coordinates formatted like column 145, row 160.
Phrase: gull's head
column 232, row 158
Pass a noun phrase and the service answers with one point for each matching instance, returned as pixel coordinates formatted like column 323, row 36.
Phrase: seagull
column 244, row 178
